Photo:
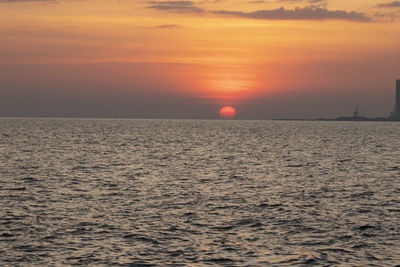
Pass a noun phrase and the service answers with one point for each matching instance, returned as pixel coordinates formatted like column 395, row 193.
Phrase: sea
column 128, row 192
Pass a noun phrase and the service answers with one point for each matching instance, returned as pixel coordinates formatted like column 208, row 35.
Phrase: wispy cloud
column 167, row 26
column 306, row 13
column 391, row 4
column 180, row 6
column 24, row 1
column 257, row 2
column 311, row 12
column 286, row 1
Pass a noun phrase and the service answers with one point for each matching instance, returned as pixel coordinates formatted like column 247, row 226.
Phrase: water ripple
column 198, row 193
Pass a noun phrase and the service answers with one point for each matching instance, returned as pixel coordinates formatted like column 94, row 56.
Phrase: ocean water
column 98, row 192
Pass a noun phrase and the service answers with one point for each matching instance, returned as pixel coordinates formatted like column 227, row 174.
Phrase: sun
column 227, row 112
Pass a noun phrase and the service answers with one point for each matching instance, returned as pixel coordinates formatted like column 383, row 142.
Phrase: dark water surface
column 198, row 193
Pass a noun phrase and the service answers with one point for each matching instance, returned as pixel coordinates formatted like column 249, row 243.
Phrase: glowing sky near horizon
column 224, row 52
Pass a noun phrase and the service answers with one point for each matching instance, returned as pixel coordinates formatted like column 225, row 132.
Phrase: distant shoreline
column 213, row 119
column 344, row 119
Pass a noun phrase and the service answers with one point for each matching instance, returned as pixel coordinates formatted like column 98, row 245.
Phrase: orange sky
column 226, row 52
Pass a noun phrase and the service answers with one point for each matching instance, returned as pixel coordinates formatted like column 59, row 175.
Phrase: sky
column 187, row 59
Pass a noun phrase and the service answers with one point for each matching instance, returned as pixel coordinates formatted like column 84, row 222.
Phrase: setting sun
column 227, row 112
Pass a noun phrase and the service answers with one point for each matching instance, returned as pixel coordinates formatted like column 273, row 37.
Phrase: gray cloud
column 391, row 4
column 24, row 1
column 166, row 26
column 306, row 13
column 180, row 6
column 257, row 2
column 286, row 1
column 386, row 16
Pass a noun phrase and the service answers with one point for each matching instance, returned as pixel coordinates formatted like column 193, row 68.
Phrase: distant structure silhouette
column 396, row 110
column 397, row 99
column 394, row 116
column 355, row 113
column 356, row 116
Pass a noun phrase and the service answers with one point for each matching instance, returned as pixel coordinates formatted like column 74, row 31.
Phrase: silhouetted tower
column 355, row 113
column 397, row 98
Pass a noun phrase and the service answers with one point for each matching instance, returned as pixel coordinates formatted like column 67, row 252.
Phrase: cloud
column 179, row 6
column 306, row 13
column 166, row 26
column 257, row 2
column 24, row 1
column 286, row 1
column 391, row 4
column 386, row 16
